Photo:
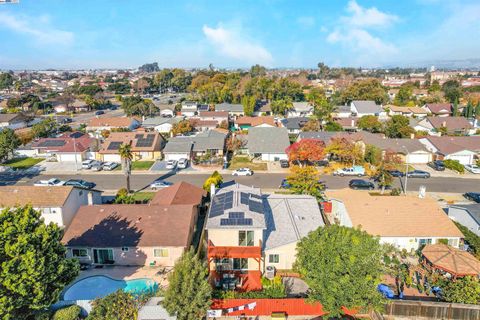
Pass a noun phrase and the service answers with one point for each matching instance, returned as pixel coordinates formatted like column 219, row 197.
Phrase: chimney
column 212, row 190
column 444, row 124
column 90, row 198
column 353, row 123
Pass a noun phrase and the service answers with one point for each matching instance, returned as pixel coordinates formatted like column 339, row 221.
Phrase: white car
column 49, row 183
column 160, row 184
column 109, row 166
column 242, row 172
column 87, row 164
column 183, row 163
column 171, row 164
column 473, row 168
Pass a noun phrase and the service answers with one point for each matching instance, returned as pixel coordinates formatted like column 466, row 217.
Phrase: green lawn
column 244, row 162
column 142, row 165
column 143, row 196
column 22, row 163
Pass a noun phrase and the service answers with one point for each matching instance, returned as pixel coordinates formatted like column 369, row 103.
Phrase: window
column 125, row 249
column 245, row 238
column 423, row 242
column 160, row 253
column 79, row 252
column 273, row 258
column 240, row 263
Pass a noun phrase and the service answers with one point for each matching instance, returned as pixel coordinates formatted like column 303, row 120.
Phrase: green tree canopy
column 119, row 305
column 188, row 294
column 6, row 80
column 45, row 128
column 398, row 126
column 33, row 269
column 305, row 180
column 9, row 141
column 453, row 90
column 369, row 89
column 342, row 266
column 462, row 290
column 404, row 94
column 248, row 103
column 216, row 178
column 370, row 123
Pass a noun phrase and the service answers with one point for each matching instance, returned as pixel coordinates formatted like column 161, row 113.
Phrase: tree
column 434, row 87
column 45, row 128
column 149, row 67
column 188, row 294
column 369, row 89
column 9, row 141
column 370, row 123
column 404, row 94
column 342, row 267
column 34, row 269
column 248, row 103
column 322, row 108
column 398, row 126
column 469, row 110
column 462, row 290
column 477, row 110
column 311, row 125
column 6, row 80
column 119, row 305
column 305, row 151
column 305, row 180
column 234, row 144
column 323, row 70
column 333, row 126
column 280, row 107
column 345, row 150
column 216, row 178
column 452, row 90
column 136, row 105
column 373, row 154
column 125, row 151
column 182, row 127
column 258, row 71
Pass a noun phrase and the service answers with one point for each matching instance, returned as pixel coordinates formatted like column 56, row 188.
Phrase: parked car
column 50, row 183
column 242, row 172
column 87, row 164
column 418, row 174
column 474, row 196
column 67, row 120
column 437, row 165
column 472, row 168
column 357, row 184
column 396, row 173
column 97, row 166
column 160, row 184
column 183, row 163
column 80, row 183
column 171, row 164
column 284, row 163
column 352, row 171
column 99, row 112
column 109, row 166
column 113, row 107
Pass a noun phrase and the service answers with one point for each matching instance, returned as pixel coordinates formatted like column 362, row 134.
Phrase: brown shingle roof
column 451, row 123
column 135, row 139
column 180, row 193
column 439, row 108
column 36, row 196
column 256, row 121
column 114, row 122
column 396, row 216
column 452, row 260
column 220, row 114
column 130, row 225
column 448, row 145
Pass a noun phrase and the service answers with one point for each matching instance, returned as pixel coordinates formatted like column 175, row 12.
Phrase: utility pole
column 75, row 153
column 406, row 170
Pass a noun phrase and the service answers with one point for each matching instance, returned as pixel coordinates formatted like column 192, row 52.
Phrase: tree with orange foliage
column 306, row 150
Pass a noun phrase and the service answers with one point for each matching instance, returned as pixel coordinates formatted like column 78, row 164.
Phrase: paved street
column 262, row 180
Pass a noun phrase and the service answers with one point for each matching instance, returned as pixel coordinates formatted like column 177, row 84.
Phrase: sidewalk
column 447, row 173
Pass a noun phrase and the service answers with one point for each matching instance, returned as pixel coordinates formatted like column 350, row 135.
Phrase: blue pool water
column 99, row 286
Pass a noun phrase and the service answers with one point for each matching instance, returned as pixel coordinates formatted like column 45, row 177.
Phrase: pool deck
column 158, row 274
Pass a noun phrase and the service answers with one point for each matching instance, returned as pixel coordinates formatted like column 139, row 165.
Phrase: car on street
column 87, row 164
column 50, row 183
column 360, row 184
column 80, row 183
column 109, row 166
column 160, row 184
column 99, row 112
column 171, row 164
column 242, row 172
column 474, row 196
column 284, row 163
column 352, row 171
column 437, row 165
column 418, row 174
column 473, row 168
column 396, row 173
column 183, row 163
column 67, row 120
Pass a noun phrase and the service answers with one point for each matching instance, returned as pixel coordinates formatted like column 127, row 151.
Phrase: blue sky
column 276, row 33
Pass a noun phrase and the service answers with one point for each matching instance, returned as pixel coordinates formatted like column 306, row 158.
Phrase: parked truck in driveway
column 358, row 171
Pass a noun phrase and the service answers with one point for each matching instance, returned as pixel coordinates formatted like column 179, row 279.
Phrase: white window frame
column 162, row 250
column 79, row 249
column 270, row 256
column 125, row 249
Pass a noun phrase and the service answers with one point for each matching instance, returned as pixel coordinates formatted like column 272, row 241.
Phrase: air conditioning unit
column 270, row 272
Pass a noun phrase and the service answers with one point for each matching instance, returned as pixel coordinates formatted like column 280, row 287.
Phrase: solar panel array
column 144, row 141
column 236, row 222
column 52, row 143
column 244, row 198
column 236, row 215
column 114, row 145
column 220, row 203
column 203, row 107
column 255, row 206
column 76, row 135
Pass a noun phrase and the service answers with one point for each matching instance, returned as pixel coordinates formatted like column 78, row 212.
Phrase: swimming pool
column 99, row 286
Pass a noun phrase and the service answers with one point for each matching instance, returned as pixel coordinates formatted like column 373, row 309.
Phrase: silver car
column 171, row 164
column 183, row 163
column 160, row 184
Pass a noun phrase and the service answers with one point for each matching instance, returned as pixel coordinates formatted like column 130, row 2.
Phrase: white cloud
column 362, row 41
column 231, row 43
column 368, row 17
column 306, row 22
column 39, row 28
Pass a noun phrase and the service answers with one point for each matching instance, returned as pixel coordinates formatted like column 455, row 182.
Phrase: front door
column 102, row 256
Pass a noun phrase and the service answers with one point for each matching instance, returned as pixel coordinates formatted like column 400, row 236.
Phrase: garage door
column 175, row 156
column 68, row 157
column 463, row 159
column 112, row 158
column 418, row 158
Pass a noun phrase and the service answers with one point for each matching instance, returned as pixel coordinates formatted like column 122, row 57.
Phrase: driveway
column 52, row 167
column 447, row 173
column 161, row 166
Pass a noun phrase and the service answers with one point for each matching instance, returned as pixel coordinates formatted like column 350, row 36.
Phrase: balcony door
column 240, row 264
column 102, row 256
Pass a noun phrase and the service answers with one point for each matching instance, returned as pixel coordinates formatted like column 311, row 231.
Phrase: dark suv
column 284, row 163
column 80, row 183
column 437, row 165
column 361, row 184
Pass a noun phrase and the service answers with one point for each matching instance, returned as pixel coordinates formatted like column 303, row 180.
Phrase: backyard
column 22, row 163
column 245, row 162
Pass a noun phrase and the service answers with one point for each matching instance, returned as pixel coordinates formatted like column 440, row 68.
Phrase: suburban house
column 248, row 231
column 300, row 109
column 68, row 147
column 56, row 204
column 154, row 234
column 111, row 123
column 13, row 121
column 144, row 146
column 406, row 222
column 203, row 125
column 294, row 125
column 362, row 108
column 244, row 123
column 268, row 143
column 439, row 109
column 467, row 215
column 465, row 149
column 262, row 108
column 216, row 116
column 161, row 124
column 189, row 108
column 342, row 111
column 209, row 142
column 348, row 124
column 416, row 112
column 232, row 109
column 451, row 125
column 75, row 106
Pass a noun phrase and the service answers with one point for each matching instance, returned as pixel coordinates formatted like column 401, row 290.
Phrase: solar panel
column 236, row 222
column 144, row 141
column 114, row 145
column 203, row 107
column 236, row 215
column 76, row 135
column 255, row 196
column 255, row 206
column 244, row 198
column 244, row 222
column 52, row 143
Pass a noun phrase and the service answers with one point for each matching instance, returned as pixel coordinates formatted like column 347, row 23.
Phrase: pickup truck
column 49, row 183
column 352, row 171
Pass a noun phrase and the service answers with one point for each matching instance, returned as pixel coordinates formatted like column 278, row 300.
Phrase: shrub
column 68, row 313
column 454, row 165
column 395, row 192
column 43, row 315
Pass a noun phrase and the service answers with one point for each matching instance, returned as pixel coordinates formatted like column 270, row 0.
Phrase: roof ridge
column 292, row 218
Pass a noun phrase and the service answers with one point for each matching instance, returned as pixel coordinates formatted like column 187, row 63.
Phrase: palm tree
column 125, row 152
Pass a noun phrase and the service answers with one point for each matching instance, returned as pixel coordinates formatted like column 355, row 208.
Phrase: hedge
column 43, row 315
column 68, row 313
column 454, row 165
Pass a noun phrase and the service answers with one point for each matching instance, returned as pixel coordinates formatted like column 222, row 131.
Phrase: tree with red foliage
column 306, row 150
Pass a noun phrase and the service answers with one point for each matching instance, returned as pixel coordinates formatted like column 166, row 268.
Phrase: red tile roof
column 265, row 307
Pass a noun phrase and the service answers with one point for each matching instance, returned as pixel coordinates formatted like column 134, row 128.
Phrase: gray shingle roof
column 302, row 106
column 367, row 106
column 156, row 121
column 178, row 146
column 209, row 140
column 267, row 140
column 473, row 209
column 153, row 310
column 294, row 123
column 229, row 107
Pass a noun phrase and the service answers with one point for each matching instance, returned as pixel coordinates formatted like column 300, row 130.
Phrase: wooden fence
column 421, row 310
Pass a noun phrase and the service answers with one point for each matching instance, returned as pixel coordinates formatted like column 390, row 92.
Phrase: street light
column 406, row 170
